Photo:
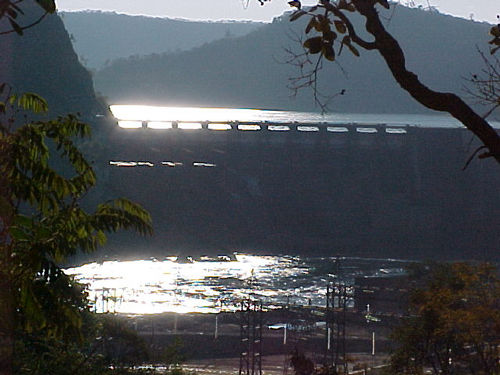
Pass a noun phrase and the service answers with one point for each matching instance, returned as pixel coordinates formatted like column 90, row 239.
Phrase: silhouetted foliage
column 495, row 42
column 42, row 222
column 333, row 22
column 301, row 364
column 454, row 326
column 43, row 177
column 107, row 346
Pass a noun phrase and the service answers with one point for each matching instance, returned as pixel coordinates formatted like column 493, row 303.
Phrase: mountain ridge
column 102, row 36
column 439, row 48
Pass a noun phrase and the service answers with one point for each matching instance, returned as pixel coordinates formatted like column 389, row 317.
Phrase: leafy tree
column 43, row 178
column 454, row 326
column 122, row 347
column 173, row 355
column 108, row 346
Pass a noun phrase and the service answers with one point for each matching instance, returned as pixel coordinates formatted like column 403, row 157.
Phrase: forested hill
column 250, row 71
column 43, row 61
column 102, row 36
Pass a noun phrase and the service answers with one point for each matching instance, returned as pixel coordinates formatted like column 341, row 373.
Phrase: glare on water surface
column 151, row 286
column 208, row 285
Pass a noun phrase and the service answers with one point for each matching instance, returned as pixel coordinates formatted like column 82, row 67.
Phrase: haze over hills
column 249, row 71
column 102, row 36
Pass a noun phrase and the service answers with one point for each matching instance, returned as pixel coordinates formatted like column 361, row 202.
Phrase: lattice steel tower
column 251, row 337
column 336, row 306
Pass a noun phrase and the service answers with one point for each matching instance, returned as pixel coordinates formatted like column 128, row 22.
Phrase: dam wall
column 347, row 190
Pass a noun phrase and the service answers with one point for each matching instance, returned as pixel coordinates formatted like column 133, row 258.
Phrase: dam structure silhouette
column 321, row 189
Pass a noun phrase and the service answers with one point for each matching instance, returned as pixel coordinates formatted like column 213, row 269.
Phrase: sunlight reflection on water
column 156, row 286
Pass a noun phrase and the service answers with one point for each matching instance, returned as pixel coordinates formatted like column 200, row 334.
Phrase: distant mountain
column 43, row 61
column 250, row 71
column 102, row 36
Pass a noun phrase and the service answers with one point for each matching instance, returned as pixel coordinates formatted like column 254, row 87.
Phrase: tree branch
column 445, row 102
column 350, row 28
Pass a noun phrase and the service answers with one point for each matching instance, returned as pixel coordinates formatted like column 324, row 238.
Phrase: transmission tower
column 336, row 306
column 251, row 337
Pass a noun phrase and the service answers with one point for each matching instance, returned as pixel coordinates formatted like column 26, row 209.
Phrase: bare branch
column 394, row 57
column 486, row 84
column 308, row 72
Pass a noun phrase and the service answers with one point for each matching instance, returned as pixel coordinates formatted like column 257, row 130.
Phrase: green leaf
column 47, row 5
column 81, row 232
column 32, row 102
column 17, row 234
column 23, row 221
column 12, row 99
column 101, row 237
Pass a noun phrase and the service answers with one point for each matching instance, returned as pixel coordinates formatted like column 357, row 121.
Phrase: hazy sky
column 482, row 10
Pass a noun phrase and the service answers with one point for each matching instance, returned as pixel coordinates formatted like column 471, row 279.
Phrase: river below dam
column 214, row 284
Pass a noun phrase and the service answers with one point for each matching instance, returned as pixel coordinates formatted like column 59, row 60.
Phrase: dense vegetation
column 43, row 179
column 454, row 322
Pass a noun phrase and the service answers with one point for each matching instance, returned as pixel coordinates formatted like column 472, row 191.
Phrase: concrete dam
column 321, row 190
